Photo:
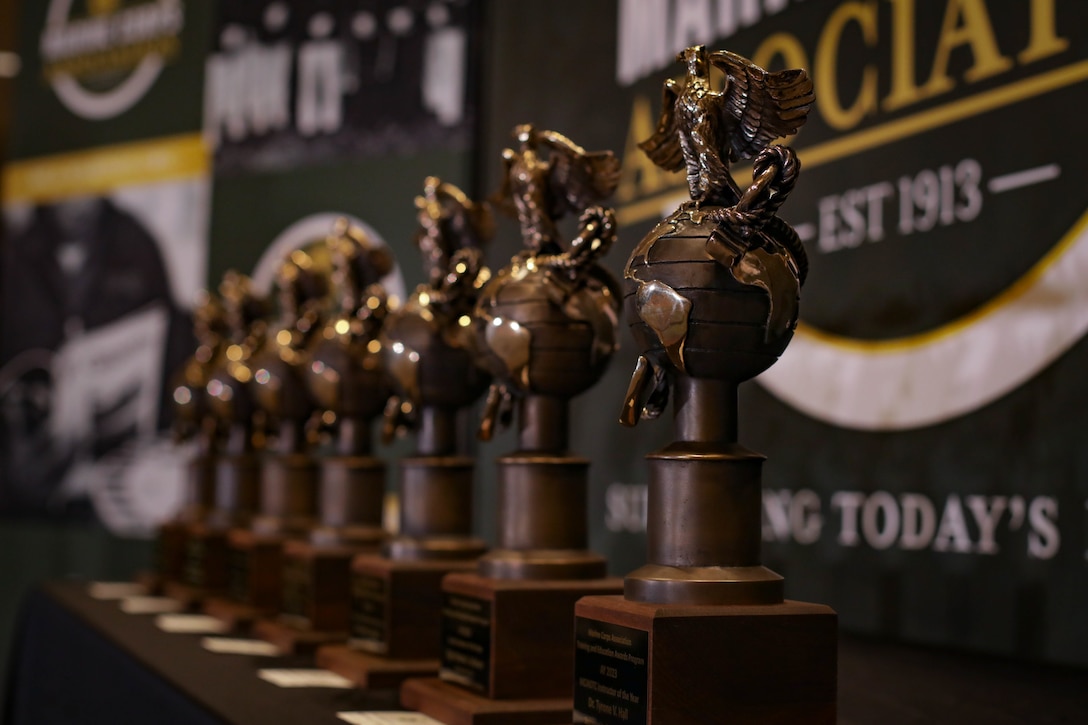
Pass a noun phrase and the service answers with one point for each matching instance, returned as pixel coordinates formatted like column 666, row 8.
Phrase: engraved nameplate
column 297, row 592
column 238, row 574
column 162, row 552
column 610, row 673
column 368, row 609
column 195, row 553
column 466, row 641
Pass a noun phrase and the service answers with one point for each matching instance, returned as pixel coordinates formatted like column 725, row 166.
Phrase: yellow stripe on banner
column 101, row 170
column 890, row 132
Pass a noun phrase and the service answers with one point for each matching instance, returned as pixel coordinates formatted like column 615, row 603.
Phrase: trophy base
column 543, row 564
column 676, row 663
column 511, row 639
column 434, row 548
column 356, row 537
column 291, row 639
column 171, row 545
column 206, row 564
column 454, row 705
column 396, row 606
column 190, row 597
column 317, row 584
column 316, row 604
column 703, row 585
column 235, row 615
column 153, row 582
column 370, row 671
column 256, row 570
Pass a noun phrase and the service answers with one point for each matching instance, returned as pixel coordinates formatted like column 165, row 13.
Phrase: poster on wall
column 925, row 475
column 291, row 83
column 105, row 253
column 102, row 72
column 105, row 211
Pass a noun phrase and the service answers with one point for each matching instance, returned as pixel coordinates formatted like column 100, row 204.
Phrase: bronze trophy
column 546, row 326
column 234, row 419
column 344, row 374
column 288, row 472
column 702, row 633
column 193, row 421
column 429, row 349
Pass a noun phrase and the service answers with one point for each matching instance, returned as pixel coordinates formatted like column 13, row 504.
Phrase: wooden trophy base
column 687, row 664
column 396, row 621
column 316, row 605
column 397, row 605
column 235, row 615
column 206, row 566
column 292, row 638
column 255, row 580
column 371, row 671
column 506, row 648
column 454, row 705
column 190, row 597
column 153, row 582
column 171, row 545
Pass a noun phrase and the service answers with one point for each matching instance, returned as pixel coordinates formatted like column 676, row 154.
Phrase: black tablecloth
column 79, row 660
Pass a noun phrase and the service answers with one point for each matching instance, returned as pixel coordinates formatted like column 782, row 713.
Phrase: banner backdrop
column 294, row 83
column 925, row 474
column 106, row 211
column 105, row 252
column 335, row 106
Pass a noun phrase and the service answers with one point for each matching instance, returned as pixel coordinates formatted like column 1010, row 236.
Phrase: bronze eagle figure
column 546, row 177
column 705, row 130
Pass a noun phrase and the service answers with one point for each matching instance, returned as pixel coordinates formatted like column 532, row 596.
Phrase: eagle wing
column 764, row 105
column 663, row 147
column 502, row 199
column 579, row 178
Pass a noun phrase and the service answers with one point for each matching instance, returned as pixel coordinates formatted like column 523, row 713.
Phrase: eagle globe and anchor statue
column 711, row 296
column 545, row 328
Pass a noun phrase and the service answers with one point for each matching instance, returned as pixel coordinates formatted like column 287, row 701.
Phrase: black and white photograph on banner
column 292, row 83
column 97, row 295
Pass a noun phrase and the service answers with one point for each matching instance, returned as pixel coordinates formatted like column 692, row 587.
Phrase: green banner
column 924, row 475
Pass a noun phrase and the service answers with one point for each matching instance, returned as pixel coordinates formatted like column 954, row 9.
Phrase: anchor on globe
column 548, row 319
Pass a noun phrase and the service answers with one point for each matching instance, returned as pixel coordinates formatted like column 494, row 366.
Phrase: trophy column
column 396, row 600
column 236, row 468
column 287, row 485
column 546, row 330
column 395, row 630
column 315, row 605
column 288, row 480
column 193, row 421
column 172, row 537
column 702, row 632
column 340, row 373
column 207, row 555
